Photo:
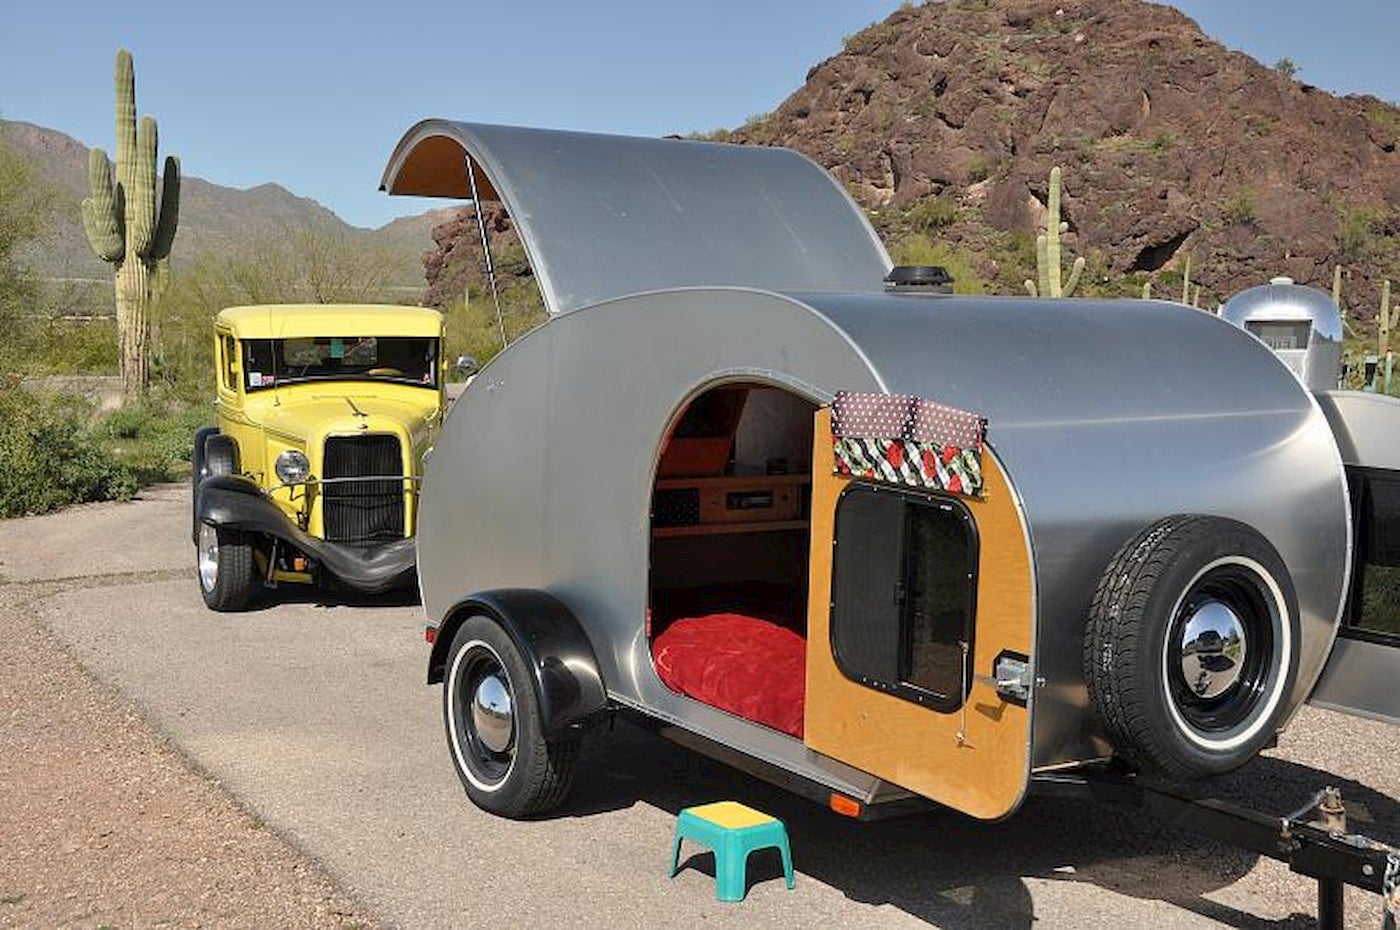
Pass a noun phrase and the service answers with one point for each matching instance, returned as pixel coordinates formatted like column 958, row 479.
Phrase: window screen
column 903, row 588
column 1375, row 605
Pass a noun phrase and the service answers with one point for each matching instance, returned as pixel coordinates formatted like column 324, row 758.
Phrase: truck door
column 919, row 602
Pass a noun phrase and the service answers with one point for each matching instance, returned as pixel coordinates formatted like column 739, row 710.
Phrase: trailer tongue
column 1315, row 840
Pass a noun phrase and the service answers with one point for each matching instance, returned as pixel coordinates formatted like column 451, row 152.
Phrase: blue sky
column 314, row 95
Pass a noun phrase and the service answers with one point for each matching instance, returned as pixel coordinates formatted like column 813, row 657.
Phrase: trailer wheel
column 507, row 764
column 1191, row 646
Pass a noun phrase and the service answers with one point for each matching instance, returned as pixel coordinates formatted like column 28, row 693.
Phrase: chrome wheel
column 492, row 715
column 1226, row 647
column 208, row 546
column 1213, row 648
column 482, row 716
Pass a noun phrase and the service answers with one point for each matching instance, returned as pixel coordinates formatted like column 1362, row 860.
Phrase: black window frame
column 900, row 686
column 1359, row 484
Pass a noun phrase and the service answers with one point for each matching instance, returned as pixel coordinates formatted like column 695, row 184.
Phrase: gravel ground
column 103, row 823
column 314, row 715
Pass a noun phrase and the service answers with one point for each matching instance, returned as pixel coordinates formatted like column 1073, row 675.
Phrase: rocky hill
column 945, row 119
column 1171, row 145
column 213, row 218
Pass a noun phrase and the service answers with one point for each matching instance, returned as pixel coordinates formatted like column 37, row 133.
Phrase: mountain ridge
column 214, row 218
column 946, row 118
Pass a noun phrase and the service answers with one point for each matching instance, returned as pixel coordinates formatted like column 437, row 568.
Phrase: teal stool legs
column 733, row 832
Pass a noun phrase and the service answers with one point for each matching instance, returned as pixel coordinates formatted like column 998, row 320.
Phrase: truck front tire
column 227, row 575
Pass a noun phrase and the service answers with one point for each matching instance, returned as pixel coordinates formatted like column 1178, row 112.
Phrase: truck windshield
column 401, row 359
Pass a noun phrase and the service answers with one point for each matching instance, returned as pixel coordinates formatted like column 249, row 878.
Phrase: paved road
column 316, row 716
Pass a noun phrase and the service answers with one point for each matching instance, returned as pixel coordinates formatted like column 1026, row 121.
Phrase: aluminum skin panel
column 604, row 216
column 542, row 475
column 1367, row 427
column 1362, row 676
column 1109, row 415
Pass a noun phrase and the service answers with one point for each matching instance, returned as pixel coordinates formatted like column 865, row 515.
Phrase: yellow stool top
column 730, row 814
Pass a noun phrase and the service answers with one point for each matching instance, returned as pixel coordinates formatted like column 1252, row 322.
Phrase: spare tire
column 1191, row 648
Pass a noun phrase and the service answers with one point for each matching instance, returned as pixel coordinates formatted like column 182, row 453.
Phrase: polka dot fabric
column 899, row 439
column 904, row 416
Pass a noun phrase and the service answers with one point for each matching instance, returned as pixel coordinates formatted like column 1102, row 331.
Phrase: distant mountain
column 213, row 218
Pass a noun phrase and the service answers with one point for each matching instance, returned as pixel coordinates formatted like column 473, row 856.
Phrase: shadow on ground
column 948, row 869
column 332, row 596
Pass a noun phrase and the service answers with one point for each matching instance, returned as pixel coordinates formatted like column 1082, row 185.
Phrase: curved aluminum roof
column 605, row 216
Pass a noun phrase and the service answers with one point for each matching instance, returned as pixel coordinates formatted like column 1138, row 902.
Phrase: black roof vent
column 921, row 279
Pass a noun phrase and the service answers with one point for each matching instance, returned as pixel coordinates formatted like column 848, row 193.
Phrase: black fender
column 566, row 677
column 197, row 470
column 237, row 503
column 197, row 457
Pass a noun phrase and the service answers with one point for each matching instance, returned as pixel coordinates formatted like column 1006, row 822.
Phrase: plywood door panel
column 974, row 759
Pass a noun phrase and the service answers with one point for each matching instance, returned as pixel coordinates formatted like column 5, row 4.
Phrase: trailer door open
column 919, row 603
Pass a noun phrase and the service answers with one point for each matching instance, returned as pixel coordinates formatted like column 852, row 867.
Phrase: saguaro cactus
column 1047, row 251
column 127, row 227
column 1383, row 327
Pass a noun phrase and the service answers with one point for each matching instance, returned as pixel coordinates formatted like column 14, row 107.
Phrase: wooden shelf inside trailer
column 712, row 529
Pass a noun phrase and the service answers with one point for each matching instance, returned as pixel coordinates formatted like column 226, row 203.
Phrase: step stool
column 732, row 831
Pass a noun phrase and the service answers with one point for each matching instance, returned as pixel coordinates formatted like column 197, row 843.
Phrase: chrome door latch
column 1011, row 677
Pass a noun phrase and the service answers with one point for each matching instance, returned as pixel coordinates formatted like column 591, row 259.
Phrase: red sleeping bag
column 747, row 666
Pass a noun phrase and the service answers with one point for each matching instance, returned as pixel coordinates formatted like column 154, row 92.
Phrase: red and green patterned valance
column 902, row 439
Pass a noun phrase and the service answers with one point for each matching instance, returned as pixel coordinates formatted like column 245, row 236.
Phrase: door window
column 903, row 593
column 227, row 354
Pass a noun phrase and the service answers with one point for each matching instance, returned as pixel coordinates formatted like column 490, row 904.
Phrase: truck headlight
column 292, row 467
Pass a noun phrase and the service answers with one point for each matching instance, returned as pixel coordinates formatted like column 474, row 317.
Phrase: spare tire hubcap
column 1212, row 649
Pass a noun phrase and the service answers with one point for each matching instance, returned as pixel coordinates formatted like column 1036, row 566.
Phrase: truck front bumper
column 236, row 503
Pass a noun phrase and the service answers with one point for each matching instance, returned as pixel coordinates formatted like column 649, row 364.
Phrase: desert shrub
column 933, row 213
column 1239, row 207
column 50, row 456
column 1359, row 227
column 471, row 325
column 153, row 440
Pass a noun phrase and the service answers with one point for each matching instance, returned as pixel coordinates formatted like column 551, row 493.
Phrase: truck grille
column 363, row 512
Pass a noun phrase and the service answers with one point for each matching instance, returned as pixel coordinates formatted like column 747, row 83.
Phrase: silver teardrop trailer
column 875, row 542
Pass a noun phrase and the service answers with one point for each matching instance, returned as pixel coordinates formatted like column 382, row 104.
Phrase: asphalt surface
column 315, row 715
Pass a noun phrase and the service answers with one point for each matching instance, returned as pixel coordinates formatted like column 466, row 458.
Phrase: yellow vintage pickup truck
column 310, row 473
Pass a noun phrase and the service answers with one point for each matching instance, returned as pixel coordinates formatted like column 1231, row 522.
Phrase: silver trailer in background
column 1153, row 561
column 1301, row 324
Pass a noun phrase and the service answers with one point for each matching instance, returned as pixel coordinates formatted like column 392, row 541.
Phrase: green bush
column 154, row 442
column 933, row 213
column 472, row 328
column 50, row 457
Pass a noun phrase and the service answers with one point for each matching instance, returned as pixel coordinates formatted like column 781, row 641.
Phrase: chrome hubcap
column 492, row 715
column 208, row 556
column 1213, row 648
